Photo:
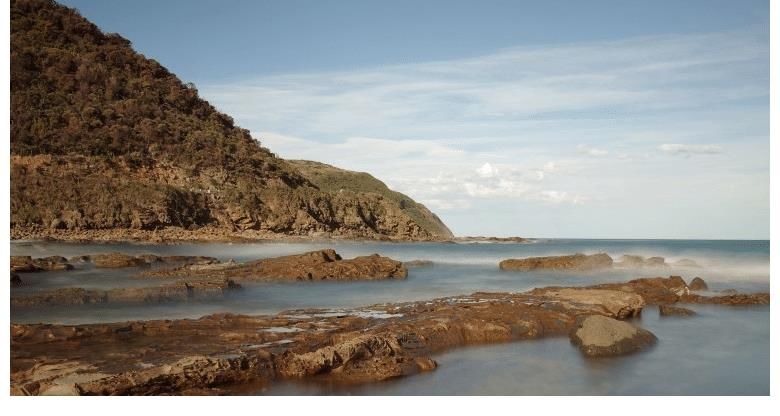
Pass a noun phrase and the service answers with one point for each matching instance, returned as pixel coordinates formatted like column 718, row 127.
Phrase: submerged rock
column 418, row 263
column 315, row 265
column 576, row 262
column 600, row 336
column 686, row 263
column 638, row 262
column 698, row 284
column 667, row 310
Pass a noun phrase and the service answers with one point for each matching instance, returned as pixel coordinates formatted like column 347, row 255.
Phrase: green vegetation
column 104, row 138
column 332, row 179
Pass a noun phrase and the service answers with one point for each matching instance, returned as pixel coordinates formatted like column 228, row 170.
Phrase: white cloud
column 689, row 149
column 487, row 171
column 474, row 136
column 592, row 151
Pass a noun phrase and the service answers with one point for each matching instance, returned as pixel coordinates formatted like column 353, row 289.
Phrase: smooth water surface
column 723, row 351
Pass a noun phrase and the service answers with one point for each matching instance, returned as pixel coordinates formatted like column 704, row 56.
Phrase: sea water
column 724, row 350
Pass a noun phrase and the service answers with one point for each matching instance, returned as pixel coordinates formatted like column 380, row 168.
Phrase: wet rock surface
column 379, row 342
column 179, row 291
column 26, row 264
column 576, row 262
column 418, row 263
column 315, row 265
column 667, row 310
column 638, row 262
column 601, row 336
column 698, row 284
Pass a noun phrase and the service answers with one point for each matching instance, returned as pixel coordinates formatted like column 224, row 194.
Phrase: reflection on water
column 722, row 351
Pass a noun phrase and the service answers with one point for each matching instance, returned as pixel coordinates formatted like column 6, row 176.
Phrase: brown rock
column 21, row 264
column 26, row 264
column 613, row 303
column 315, row 265
column 638, row 262
column 737, row 299
column 600, row 336
column 116, row 260
column 208, row 355
column 667, row 310
column 15, row 280
column 576, row 262
column 654, row 290
column 698, row 284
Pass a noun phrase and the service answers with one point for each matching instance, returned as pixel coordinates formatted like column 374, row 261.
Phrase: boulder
column 601, row 336
column 667, row 310
column 576, row 262
column 698, row 284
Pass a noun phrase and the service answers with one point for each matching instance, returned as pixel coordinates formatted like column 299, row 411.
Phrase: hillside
column 105, row 142
column 332, row 179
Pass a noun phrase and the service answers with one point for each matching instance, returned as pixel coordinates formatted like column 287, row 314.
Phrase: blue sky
column 601, row 119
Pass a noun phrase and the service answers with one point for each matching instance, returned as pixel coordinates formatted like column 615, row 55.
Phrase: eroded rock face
column 601, row 336
column 576, row 262
column 698, row 284
column 315, row 265
column 667, row 310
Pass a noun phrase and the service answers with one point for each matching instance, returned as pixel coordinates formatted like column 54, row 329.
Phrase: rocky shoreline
column 368, row 344
column 197, row 277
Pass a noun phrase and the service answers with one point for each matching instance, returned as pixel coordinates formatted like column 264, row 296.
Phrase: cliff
column 105, row 141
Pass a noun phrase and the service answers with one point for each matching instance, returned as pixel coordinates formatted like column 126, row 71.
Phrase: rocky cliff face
column 104, row 139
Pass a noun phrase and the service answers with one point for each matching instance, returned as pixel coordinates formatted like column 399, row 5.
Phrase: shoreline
column 205, row 235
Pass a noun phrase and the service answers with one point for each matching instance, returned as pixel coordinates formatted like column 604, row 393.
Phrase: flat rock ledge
column 212, row 354
column 311, row 266
column 601, row 336
column 575, row 262
column 175, row 292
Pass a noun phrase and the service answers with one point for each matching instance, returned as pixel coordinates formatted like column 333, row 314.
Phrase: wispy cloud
column 577, row 126
column 689, row 149
column 592, row 151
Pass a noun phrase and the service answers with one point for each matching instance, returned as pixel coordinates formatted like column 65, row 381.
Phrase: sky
column 598, row 119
